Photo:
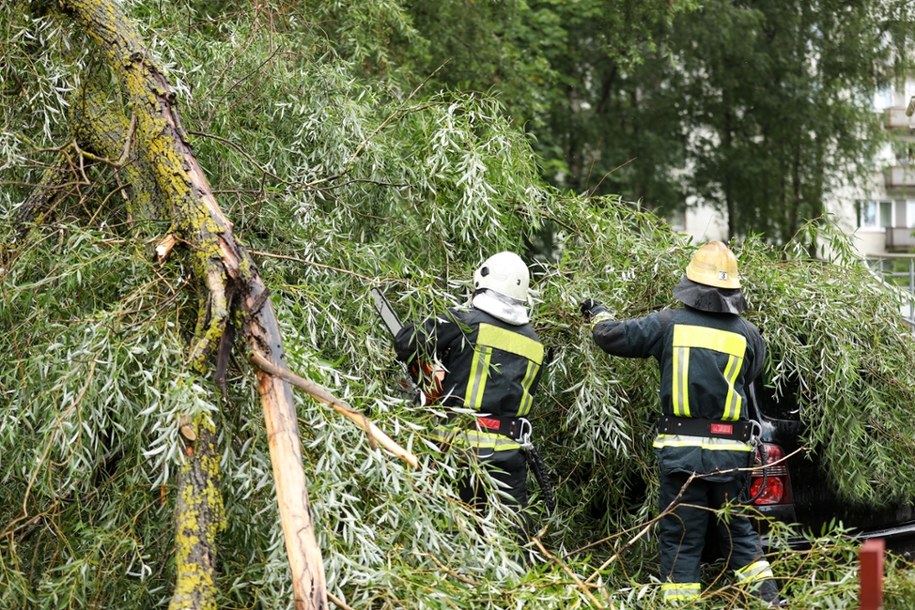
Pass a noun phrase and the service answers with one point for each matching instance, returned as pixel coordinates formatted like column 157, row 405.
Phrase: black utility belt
column 714, row 428
column 515, row 428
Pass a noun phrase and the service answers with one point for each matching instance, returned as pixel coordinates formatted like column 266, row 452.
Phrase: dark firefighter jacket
column 706, row 360
column 491, row 367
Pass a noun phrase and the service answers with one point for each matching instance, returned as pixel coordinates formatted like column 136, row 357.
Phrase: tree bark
column 102, row 126
column 199, row 517
column 226, row 270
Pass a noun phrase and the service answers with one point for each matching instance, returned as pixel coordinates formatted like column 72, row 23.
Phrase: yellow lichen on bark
column 102, row 125
column 199, row 519
column 193, row 209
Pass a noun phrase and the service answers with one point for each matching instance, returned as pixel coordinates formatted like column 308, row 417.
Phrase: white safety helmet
column 504, row 273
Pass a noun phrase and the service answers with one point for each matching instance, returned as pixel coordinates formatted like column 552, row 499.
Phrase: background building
column 879, row 214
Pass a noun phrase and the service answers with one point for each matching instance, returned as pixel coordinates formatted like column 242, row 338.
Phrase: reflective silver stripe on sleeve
column 604, row 315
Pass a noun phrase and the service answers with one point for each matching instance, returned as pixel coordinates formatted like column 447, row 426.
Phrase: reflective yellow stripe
column 686, row 337
column 756, row 571
column 491, row 337
column 723, row 341
column 704, row 442
column 733, row 401
column 479, row 372
column 681, row 382
column 474, row 438
column 511, row 342
column 604, row 315
column 526, row 398
column 680, row 590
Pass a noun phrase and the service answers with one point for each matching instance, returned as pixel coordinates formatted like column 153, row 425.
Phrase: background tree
column 337, row 176
column 778, row 102
column 758, row 109
column 586, row 79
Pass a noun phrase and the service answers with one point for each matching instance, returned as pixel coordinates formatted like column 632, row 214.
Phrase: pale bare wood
column 186, row 427
column 322, row 395
column 305, row 561
column 164, row 247
column 339, row 602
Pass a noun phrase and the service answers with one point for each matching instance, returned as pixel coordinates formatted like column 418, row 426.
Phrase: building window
column 910, row 213
column 875, row 214
column 883, row 98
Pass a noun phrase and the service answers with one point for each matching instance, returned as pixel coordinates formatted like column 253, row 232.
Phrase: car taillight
column 770, row 491
column 771, row 485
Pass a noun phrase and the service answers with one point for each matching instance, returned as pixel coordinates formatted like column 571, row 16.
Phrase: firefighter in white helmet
column 493, row 361
column 708, row 354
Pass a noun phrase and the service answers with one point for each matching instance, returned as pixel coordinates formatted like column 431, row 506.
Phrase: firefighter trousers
column 509, row 469
column 682, row 537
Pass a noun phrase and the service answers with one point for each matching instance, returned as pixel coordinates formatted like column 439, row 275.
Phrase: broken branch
column 321, row 395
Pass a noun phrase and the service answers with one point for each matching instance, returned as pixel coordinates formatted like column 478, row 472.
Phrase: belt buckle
column 524, row 437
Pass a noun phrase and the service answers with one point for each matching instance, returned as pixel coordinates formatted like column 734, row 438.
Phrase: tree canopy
column 340, row 168
column 761, row 110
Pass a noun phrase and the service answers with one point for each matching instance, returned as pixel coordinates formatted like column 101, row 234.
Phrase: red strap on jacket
column 490, row 423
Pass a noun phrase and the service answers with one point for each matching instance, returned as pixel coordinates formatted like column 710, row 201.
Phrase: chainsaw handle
column 429, row 378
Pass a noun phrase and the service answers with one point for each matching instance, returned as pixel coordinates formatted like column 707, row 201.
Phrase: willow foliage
column 337, row 179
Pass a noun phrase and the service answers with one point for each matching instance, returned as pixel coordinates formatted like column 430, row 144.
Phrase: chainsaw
column 424, row 379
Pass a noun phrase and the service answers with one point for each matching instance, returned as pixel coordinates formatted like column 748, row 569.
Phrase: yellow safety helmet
column 714, row 265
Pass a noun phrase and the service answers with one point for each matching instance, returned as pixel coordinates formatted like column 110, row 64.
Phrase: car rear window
column 783, row 406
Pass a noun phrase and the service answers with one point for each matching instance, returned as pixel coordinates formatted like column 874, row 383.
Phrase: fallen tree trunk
column 102, row 126
column 222, row 265
column 199, row 517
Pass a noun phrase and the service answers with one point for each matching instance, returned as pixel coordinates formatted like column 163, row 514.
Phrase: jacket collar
column 501, row 307
column 709, row 298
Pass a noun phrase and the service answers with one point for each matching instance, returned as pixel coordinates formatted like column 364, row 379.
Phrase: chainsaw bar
column 386, row 312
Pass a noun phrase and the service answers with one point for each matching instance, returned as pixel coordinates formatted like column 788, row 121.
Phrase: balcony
column 900, row 239
column 898, row 271
column 900, row 177
column 896, row 118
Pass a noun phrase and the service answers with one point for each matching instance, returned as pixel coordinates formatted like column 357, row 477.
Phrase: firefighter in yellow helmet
column 708, row 354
